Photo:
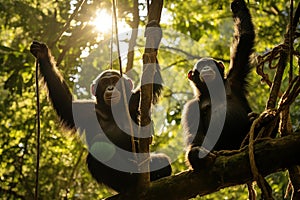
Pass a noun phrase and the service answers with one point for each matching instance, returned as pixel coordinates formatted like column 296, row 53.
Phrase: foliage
column 191, row 29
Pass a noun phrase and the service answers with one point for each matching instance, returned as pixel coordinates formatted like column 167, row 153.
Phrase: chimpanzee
column 111, row 160
column 204, row 78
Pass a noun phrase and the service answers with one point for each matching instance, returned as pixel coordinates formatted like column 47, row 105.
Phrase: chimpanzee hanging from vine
column 111, row 144
column 197, row 116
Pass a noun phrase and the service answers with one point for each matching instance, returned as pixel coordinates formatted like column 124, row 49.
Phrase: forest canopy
column 79, row 35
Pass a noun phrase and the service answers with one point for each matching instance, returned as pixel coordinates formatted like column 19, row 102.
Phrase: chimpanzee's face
column 206, row 70
column 106, row 87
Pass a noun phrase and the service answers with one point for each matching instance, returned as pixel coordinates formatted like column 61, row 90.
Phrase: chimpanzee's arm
column 59, row 93
column 190, row 123
column 242, row 45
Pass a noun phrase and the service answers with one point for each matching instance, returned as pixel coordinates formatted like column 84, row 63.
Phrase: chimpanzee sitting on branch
column 226, row 113
column 111, row 160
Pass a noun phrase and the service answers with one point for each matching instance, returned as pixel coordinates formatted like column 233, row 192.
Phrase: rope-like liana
column 117, row 37
column 38, row 131
column 111, row 40
column 122, row 80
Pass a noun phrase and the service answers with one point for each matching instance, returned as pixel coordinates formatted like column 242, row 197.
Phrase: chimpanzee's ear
column 221, row 66
column 128, row 82
column 190, row 75
column 93, row 89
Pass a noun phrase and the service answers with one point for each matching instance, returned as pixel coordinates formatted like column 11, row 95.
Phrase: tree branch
column 149, row 67
column 272, row 155
column 284, row 55
column 134, row 33
column 67, row 24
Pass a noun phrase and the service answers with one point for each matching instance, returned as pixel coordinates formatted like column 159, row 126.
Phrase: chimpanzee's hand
column 238, row 5
column 39, row 50
column 153, row 34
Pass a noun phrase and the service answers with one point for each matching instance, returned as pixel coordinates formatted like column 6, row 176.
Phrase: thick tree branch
column 271, row 156
column 149, row 67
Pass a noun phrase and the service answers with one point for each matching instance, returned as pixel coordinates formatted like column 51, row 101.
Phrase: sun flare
column 102, row 21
